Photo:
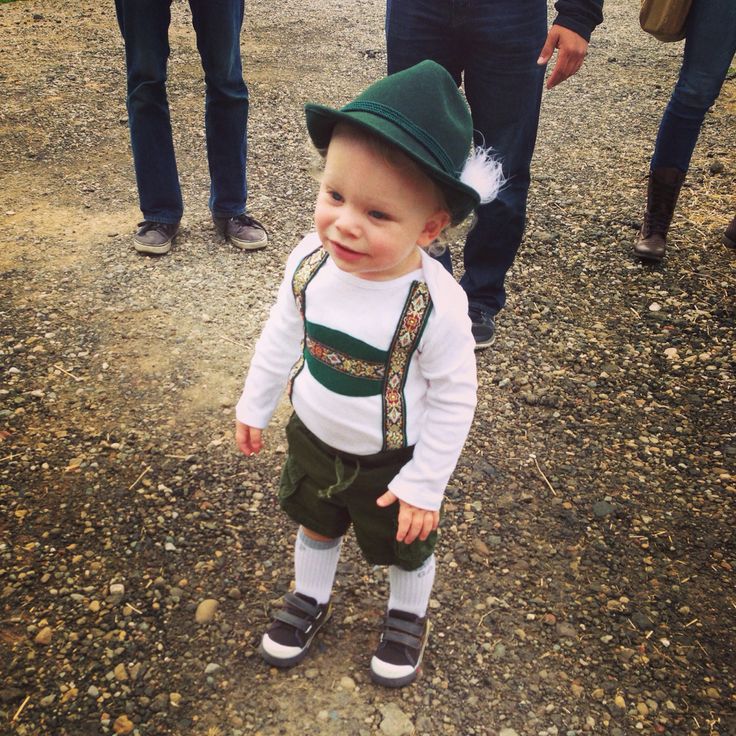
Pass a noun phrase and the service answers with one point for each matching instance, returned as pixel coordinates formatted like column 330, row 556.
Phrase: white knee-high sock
column 315, row 564
column 410, row 589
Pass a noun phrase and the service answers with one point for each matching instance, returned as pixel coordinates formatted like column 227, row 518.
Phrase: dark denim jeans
column 709, row 47
column 491, row 46
column 217, row 23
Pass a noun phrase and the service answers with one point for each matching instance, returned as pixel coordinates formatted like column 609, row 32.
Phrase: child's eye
column 377, row 215
column 336, row 196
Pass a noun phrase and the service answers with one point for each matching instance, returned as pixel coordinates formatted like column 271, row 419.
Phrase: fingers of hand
column 416, row 524
column 386, row 500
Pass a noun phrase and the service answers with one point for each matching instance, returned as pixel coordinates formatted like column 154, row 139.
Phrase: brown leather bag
column 665, row 19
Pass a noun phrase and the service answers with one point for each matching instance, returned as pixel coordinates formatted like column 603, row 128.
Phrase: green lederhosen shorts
column 326, row 490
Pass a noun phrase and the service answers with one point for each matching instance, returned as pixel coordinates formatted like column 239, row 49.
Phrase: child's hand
column 413, row 522
column 248, row 439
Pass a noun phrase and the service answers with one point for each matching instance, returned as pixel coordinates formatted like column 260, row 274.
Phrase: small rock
column 44, row 636
column 122, row 725
column 347, row 683
column 602, row 509
column 206, row 611
column 121, row 674
column 395, row 722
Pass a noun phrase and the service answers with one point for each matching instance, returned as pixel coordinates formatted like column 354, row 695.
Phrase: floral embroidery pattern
column 345, row 363
column 304, row 273
column 409, row 330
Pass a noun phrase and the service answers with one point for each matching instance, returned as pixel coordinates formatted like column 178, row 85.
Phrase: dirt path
column 589, row 524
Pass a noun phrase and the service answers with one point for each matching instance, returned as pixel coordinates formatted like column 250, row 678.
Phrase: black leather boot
column 662, row 192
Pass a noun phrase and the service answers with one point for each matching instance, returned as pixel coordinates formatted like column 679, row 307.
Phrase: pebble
column 206, row 611
column 93, row 692
column 122, row 725
column 347, row 683
column 211, row 668
column 507, row 732
column 395, row 722
column 602, row 509
column 44, row 636
column 117, row 589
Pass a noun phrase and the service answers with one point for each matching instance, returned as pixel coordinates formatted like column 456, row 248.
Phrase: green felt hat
column 421, row 111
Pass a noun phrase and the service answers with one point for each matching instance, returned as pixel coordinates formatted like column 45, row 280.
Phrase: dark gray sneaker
column 243, row 231
column 484, row 327
column 288, row 638
column 154, row 238
column 399, row 654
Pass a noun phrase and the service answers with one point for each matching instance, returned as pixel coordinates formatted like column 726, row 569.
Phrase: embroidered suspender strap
column 304, row 273
column 405, row 341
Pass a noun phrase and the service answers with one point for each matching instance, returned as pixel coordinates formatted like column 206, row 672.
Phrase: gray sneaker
column 243, row 231
column 484, row 327
column 155, row 238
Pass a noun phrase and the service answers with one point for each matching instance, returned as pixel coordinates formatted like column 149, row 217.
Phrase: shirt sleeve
column 447, row 362
column 581, row 16
column 276, row 351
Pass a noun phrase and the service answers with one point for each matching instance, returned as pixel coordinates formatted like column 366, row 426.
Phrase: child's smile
column 372, row 213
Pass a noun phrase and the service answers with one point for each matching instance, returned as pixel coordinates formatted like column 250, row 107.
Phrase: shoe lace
column 249, row 221
column 148, row 225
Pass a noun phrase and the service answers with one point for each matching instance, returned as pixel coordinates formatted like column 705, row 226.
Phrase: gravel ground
column 590, row 519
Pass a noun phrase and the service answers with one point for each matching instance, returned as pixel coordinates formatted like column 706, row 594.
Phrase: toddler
column 373, row 337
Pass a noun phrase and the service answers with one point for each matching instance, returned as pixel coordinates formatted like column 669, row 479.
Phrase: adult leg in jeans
column 144, row 25
column 503, row 84
column 709, row 48
column 217, row 24
column 496, row 46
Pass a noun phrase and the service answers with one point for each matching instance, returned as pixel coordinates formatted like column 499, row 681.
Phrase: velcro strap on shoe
column 409, row 627
column 398, row 637
column 290, row 599
column 292, row 619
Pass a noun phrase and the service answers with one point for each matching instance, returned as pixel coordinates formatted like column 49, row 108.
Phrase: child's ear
column 436, row 223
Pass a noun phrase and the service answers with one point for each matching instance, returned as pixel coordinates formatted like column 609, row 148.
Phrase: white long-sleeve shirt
column 440, row 388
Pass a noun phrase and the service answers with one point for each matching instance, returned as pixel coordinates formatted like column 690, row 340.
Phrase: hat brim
column 321, row 121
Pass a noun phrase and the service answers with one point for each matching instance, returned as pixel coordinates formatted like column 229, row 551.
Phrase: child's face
column 371, row 214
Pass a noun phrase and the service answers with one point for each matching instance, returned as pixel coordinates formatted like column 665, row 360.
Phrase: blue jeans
column 217, row 23
column 492, row 47
column 709, row 47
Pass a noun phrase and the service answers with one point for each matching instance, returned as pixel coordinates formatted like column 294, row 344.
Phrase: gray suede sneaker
column 155, row 238
column 243, row 231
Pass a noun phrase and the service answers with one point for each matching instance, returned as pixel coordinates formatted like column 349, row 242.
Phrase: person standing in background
column 710, row 44
column 497, row 49
column 144, row 25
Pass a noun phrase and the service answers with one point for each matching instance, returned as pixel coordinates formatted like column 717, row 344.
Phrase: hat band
column 389, row 113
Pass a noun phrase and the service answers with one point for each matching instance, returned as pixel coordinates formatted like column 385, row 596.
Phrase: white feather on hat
column 483, row 173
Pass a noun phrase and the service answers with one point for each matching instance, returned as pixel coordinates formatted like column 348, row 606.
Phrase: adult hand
column 413, row 522
column 248, row 439
column 571, row 51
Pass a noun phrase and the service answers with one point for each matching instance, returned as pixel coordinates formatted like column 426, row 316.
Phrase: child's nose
column 347, row 221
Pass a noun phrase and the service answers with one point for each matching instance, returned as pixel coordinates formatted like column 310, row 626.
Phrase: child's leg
column 307, row 609
column 410, row 589
column 315, row 563
column 405, row 631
